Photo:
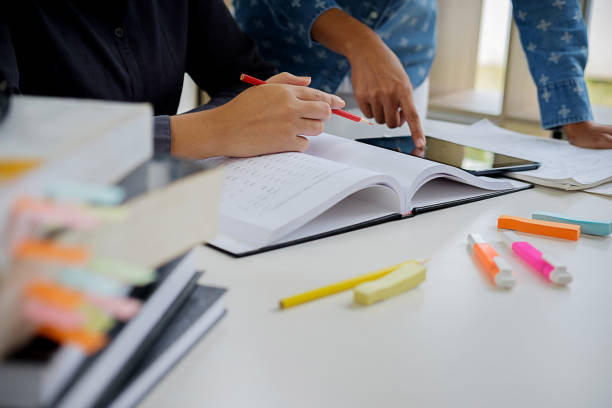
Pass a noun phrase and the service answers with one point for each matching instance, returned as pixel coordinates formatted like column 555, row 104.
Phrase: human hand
column 589, row 134
column 383, row 89
column 263, row 119
column 289, row 79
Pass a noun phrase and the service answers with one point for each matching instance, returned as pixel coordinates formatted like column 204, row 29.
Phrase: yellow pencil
column 340, row 286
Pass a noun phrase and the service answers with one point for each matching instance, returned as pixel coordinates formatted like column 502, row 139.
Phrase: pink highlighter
column 537, row 260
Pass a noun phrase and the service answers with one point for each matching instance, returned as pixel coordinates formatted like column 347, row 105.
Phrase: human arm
column 554, row 38
column 589, row 134
column 379, row 79
column 263, row 119
column 382, row 88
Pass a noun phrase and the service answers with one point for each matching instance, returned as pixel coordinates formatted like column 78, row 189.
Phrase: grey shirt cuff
column 162, row 140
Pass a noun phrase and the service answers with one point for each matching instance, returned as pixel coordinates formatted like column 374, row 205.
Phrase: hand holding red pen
column 261, row 120
column 303, row 81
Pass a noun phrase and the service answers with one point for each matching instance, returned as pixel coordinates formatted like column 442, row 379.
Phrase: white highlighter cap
column 504, row 278
column 474, row 238
column 509, row 237
column 559, row 274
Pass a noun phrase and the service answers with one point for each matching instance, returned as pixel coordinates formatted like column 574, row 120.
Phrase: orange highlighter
column 497, row 267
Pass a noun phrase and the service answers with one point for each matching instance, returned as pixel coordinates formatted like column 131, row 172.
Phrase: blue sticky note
column 86, row 192
column 86, row 281
column 587, row 226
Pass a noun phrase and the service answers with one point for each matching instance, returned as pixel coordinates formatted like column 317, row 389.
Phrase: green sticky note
column 107, row 213
column 95, row 319
column 122, row 271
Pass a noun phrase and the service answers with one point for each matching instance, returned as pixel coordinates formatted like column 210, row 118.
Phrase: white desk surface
column 454, row 341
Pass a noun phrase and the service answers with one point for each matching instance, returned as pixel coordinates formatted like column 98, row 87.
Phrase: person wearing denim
column 373, row 40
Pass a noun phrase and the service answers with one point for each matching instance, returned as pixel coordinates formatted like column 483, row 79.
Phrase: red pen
column 254, row 81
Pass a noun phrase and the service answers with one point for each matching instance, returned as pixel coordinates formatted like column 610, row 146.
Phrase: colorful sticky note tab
column 587, row 225
column 113, row 213
column 50, row 214
column 89, row 342
column 49, row 251
column 86, row 192
column 122, row 308
column 546, row 228
column 123, row 271
column 56, row 296
column 82, row 279
column 42, row 313
column 13, row 168
column 95, row 319
column 53, row 294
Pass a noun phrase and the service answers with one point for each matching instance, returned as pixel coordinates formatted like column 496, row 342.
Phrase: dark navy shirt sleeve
column 8, row 63
column 126, row 50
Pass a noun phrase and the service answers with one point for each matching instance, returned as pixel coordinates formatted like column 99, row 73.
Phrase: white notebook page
column 411, row 172
column 265, row 197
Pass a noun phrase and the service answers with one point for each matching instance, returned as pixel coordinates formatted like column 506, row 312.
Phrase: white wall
column 494, row 29
column 600, row 35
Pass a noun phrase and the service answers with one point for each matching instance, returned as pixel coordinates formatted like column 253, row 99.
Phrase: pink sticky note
column 47, row 213
column 42, row 313
column 122, row 308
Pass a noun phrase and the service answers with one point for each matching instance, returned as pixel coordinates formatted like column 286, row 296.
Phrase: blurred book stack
column 98, row 283
column 47, row 139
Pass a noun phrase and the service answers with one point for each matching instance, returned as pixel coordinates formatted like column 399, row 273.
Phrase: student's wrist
column 362, row 47
column 195, row 135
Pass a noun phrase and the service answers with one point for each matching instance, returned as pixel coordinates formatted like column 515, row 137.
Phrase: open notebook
column 337, row 185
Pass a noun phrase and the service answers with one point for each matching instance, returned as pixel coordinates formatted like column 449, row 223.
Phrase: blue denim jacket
column 552, row 32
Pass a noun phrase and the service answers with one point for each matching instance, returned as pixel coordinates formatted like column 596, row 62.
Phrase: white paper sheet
column 604, row 189
column 563, row 165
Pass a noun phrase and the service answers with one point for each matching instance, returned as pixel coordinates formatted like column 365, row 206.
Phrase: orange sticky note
column 546, row 228
column 49, row 251
column 12, row 168
column 90, row 342
column 54, row 294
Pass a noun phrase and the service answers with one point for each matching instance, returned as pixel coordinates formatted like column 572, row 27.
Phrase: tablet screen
column 471, row 159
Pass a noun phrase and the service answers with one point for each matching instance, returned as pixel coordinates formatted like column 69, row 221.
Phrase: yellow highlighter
column 400, row 280
column 340, row 286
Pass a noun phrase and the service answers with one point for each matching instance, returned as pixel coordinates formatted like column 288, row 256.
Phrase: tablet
column 476, row 161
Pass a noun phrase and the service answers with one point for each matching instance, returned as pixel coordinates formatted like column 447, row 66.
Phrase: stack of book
column 162, row 197
column 98, row 282
column 176, row 312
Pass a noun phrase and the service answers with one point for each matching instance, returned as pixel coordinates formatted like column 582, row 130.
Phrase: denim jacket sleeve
column 298, row 16
column 554, row 37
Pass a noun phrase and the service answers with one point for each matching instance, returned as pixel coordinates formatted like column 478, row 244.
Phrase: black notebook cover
column 201, row 301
